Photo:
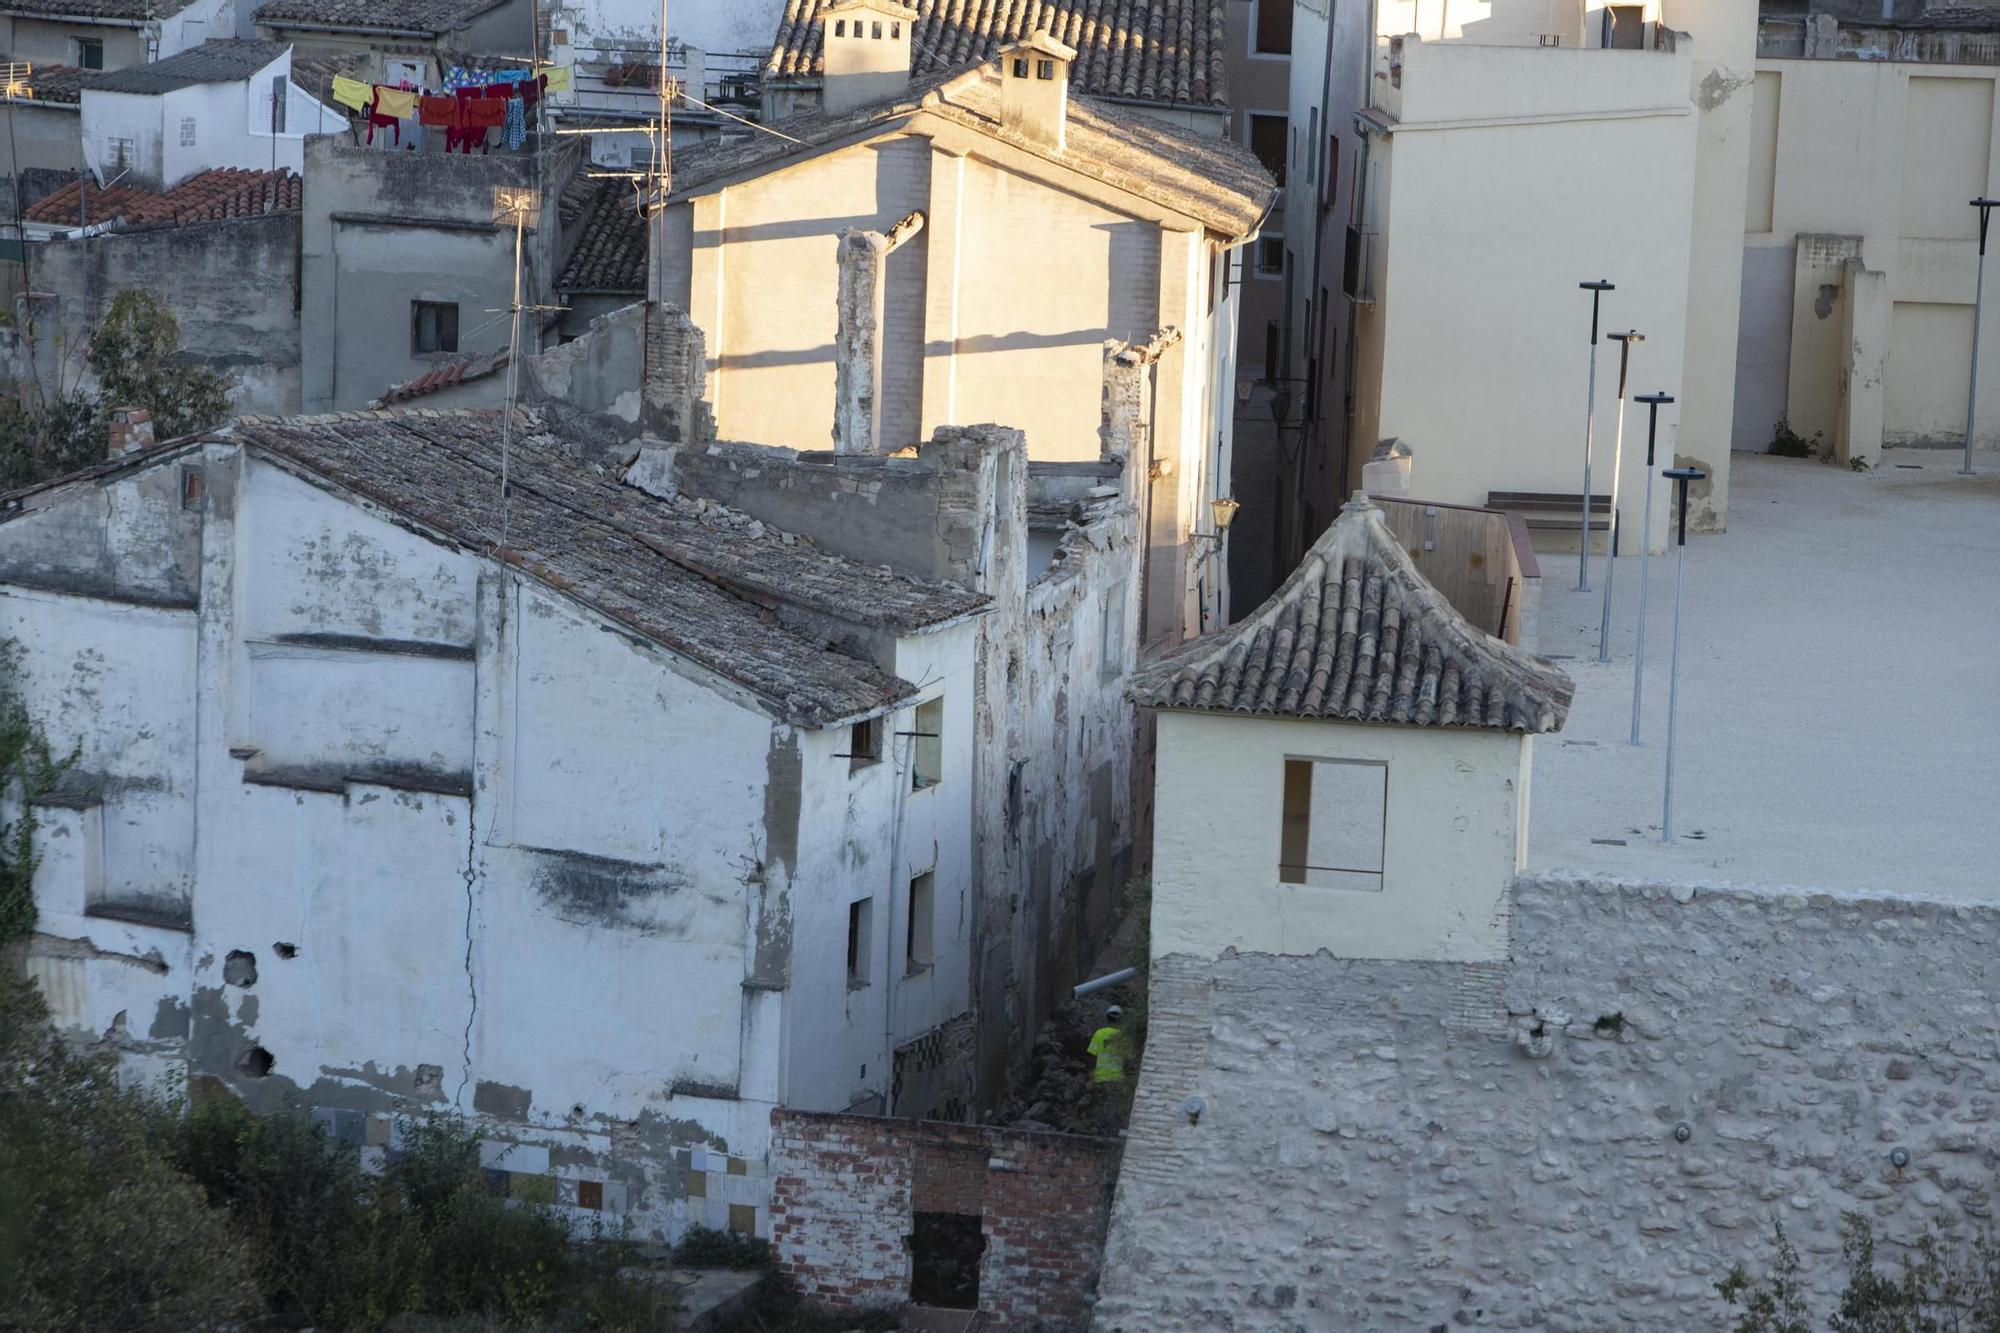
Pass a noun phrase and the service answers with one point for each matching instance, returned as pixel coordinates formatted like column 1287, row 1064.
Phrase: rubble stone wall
column 1586, row 1136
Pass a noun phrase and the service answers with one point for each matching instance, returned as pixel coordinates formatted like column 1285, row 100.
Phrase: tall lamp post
column 1597, row 290
column 1654, row 402
column 1682, row 475
column 1624, row 341
column 1985, row 207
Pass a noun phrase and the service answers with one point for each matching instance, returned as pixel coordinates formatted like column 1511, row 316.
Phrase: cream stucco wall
column 1454, row 835
column 1872, row 160
column 1511, row 174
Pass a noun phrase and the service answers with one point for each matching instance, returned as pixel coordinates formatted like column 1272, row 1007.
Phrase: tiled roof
column 431, row 18
column 83, row 11
column 221, row 192
column 458, row 370
column 315, row 73
column 1204, row 176
column 610, row 251
column 714, row 586
column 1356, row 634
column 1149, row 50
column 222, row 60
column 61, row 84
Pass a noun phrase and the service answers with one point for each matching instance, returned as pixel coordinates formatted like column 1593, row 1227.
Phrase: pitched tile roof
column 429, row 18
column 315, row 72
column 711, row 585
column 1149, row 50
column 610, row 250
column 221, row 192
column 1201, row 175
column 61, row 84
column 1356, row 634
column 83, row 11
column 220, row 60
column 458, row 370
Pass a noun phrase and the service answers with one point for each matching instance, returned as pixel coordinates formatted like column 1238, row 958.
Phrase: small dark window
column 1045, row 69
column 1625, row 27
column 1271, row 256
column 191, row 488
column 875, row 31
column 90, row 52
column 1268, row 136
column 895, row 30
column 840, row 27
column 921, row 928
column 945, row 1250
column 1274, row 27
column 280, row 95
column 927, row 770
column 433, row 326
column 1020, row 67
column 864, row 743
column 859, row 917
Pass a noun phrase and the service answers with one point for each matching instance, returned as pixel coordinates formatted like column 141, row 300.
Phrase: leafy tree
column 57, row 438
column 28, row 770
column 1938, row 1290
column 136, row 353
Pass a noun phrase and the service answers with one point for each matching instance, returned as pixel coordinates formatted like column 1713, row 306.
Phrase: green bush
column 706, row 1247
column 1938, row 1289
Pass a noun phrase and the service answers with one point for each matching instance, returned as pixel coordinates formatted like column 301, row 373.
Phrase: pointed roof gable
column 1357, row 634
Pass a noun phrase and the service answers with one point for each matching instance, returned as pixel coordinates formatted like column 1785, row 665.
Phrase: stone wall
column 847, row 1190
column 1587, row 1136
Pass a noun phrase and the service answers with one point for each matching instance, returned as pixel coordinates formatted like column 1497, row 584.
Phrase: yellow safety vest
column 1108, row 1045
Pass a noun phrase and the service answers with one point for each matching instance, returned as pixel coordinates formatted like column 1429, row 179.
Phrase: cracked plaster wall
column 1423, row 1144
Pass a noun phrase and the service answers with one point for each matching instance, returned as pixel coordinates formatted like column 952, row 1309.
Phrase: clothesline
column 469, row 104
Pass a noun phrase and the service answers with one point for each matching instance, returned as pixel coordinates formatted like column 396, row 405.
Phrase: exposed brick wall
column 846, row 1187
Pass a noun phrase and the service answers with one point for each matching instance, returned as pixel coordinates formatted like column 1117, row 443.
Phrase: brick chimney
column 866, row 50
column 131, row 431
column 1034, row 88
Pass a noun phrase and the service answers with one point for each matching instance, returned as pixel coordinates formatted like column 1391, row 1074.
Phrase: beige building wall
column 1453, row 835
column 1873, row 161
column 1510, row 175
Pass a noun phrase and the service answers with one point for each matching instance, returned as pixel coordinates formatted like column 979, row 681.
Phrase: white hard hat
column 1114, row 1012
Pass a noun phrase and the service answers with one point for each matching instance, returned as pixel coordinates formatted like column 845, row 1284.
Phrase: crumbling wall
column 1587, row 1136
column 847, row 1191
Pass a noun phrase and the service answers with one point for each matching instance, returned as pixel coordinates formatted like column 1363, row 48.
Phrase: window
column 1111, row 653
column 1020, row 67
column 923, row 913
column 1334, row 820
column 840, row 27
column 89, row 52
column 1271, row 255
column 864, row 743
column 192, row 488
column 928, row 769
column 280, row 96
column 875, row 31
column 1625, row 27
column 1045, row 69
column 1274, row 27
column 895, row 30
column 1312, row 137
column 187, row 131
column 859, row 918
column 1267, row 142
column 433, row 327
column 119, row 153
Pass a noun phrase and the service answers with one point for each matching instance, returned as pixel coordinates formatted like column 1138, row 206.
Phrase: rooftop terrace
column 1839, row 712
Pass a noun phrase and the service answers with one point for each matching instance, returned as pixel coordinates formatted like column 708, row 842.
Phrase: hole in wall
column 284, row 950
column 240, row 968
column 256, row 1062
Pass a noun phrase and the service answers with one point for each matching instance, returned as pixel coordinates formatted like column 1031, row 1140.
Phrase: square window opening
column 90, row 52
column 840, row 27
column 1269, row 136
column 895, row 30
column 860, row 917
column 433, row 326
column 1045, row 69
column 1274, row 27
column 191, row 488
column 945, row 1254
column 1271, row 256
column 927, row 769
column 918, row 931
column 1020, row 67
column 1334, row 824
column 875, row 31
column 187, row 131
column 864, row 743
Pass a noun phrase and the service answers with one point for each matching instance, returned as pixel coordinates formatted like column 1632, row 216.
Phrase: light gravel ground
column 1839, row 720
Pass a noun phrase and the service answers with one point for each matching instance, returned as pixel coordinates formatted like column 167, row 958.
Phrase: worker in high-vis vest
column 1108, row 1045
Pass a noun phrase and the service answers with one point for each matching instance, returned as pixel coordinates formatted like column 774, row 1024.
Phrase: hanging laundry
column 351, row 92
column 376, row 120
column 499, row 90
column 485, row 113
column 531, row 90
column 397, row 102
column 517, row 124
column 556, row 79
column 506, row 76
column 438, row 111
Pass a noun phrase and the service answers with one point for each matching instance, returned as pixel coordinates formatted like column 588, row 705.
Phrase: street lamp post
column 1597, row 290
column 1624, row 341
column 1682, row 475
column 1654, row 402
column 1985, row 207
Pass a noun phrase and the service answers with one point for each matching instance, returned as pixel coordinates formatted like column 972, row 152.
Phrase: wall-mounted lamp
column 1192, row 1109
column 1223, row 511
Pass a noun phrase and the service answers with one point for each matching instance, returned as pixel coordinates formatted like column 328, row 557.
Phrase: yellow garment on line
column 351, row 92
column 558, row 76
column 396, row 102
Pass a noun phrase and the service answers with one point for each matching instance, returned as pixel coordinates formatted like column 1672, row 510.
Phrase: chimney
column 1034, row 88
column 131, row 431
column 866, row 50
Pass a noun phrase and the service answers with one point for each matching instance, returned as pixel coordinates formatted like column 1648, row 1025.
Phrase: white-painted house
column 226, row 103
column 613, row 820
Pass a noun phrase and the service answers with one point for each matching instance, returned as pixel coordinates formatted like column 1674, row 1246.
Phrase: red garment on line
column 438, row 111
column 485, row 113
column 384, row 122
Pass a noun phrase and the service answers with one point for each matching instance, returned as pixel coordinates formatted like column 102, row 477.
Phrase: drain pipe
column 1105, row 982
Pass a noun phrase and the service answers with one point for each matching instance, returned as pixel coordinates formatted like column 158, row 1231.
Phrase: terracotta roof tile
column 222, row 192
column 1171, row 51
column 459, row 370
column 83, row 11
column 434, row 18
column 1356, row 634
column 610, row 251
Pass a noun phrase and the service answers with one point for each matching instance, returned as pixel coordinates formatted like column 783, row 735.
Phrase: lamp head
column 1601, row 285
column 1224, row 510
